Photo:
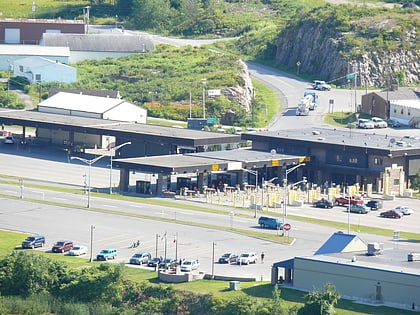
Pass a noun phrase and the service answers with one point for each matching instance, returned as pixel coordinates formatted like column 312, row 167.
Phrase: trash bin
column 235, row 285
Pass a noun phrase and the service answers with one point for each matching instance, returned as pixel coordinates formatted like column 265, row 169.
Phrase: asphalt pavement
column 119, row 229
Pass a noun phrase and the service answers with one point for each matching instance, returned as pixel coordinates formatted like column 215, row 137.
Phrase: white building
column 39, row 69
column 406, row 112
column 10, row 53
column 89, row 106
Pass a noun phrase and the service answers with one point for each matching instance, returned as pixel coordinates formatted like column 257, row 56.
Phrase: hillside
column 381, row 45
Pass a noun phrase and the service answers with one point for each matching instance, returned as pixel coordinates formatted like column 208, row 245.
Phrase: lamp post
column 285, row 189
column 203, row 82
column 112, row 151
column 255, row 173
column 88, row 162
column 92, row 228
column 212, row 262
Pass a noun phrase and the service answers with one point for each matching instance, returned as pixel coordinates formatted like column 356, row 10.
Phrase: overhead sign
column 233, row 166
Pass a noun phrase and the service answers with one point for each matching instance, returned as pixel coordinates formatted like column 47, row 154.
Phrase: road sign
column 287, row 226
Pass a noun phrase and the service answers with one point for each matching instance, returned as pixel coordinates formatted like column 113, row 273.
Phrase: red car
column 392, row 214
column 62, row 246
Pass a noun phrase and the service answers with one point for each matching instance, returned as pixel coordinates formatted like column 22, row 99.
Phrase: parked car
column 247, row 258
column 167, row 263
column 391, row 214
column 379, row 122
column 362, row 209
column 393, row 123
column 140, row 258
column 354, row 200
column 78, row 250
column 33, row 241
column 107, row 253
column 404, row 210
column 228, row 258
column 270, row 223
column 365, row 124
column 323, row 203
column 189, row 265
column 9, row 140
column 154, row 262
column 62, row 246
column 374, row 204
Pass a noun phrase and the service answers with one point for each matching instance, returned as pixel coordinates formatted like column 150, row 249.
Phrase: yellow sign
column 275, row 162
column 215, row 167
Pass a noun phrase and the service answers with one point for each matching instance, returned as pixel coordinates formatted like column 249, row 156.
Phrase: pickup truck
column 341, row 201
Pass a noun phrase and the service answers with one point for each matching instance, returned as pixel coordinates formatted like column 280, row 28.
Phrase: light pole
column 92, row 228
column 203, row 82
column 255, row 173
column 212, row 262
column 88, row 162
column 112, row 151
column 285, row 189
column 348, row 211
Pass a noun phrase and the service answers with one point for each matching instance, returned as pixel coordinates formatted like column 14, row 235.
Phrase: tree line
column 35, row 284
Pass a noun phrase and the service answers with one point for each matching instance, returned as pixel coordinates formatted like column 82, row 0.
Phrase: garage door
column 12, row 36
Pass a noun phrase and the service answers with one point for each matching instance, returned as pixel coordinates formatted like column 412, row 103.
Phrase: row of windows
column 353, row 160
column 402, row 111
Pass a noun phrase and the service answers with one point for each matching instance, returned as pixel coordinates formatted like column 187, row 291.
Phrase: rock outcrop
column 313, row 49
column 242, row 94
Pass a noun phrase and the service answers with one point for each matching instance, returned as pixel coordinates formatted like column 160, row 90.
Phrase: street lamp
column 255, row 173
column 204, row 81
column 285, row 189
column 112, row 151
column 88, row 162
column 92, row 228
column 212, row 262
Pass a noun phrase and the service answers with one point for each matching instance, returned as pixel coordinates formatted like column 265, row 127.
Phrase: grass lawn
column 261, row 290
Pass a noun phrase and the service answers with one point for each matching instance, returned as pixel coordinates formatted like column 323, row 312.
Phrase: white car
column 379, row 122
column 247, row 258
column 78, row 250
column 404, row 210
column 189, row 265
column 365, row 124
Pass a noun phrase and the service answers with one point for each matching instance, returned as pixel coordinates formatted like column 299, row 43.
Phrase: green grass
column 23, row 8
column 260, row 290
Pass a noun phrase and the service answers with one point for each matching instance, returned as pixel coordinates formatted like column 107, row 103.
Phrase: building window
column 37, row 77
column 395, row 110
column 338, row 158
column 402, row 111
column 353, row 160
column 408, row 113
column 396, row 181
column 20, row 68
column 377, row 161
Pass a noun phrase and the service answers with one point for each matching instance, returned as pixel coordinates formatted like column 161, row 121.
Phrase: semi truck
column 314, row 102
column 304, row 105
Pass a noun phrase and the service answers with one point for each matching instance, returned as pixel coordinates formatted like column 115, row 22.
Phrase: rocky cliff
column 315, row 50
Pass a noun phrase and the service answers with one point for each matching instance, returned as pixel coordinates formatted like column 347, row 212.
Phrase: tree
column 26, row 274
column 151, row 14
column 96, row 284
column 321, row 302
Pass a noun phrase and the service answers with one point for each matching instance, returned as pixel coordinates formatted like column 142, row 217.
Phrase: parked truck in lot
column 354, row 200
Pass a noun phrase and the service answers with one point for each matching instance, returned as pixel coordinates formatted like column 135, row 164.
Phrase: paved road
column 121, row 230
